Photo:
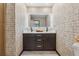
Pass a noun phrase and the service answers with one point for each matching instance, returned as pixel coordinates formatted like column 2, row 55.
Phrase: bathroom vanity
column 39, row 41
column 39, row 35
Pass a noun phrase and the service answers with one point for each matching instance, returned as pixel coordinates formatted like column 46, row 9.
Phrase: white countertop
column 50, row 30
column 41, row 32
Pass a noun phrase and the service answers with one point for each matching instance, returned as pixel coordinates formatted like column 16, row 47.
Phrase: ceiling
column 39, row 4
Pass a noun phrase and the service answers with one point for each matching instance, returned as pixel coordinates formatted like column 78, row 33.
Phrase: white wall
column 20, row 17
column 46, row 10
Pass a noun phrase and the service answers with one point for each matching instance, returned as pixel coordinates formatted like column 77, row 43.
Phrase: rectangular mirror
column 39, row 21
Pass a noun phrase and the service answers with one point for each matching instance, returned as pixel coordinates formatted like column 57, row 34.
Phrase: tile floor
column 39, row 53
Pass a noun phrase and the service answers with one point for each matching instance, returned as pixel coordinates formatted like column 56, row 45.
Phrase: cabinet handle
column 39, row 46
column 39, row 40
column 38, row 35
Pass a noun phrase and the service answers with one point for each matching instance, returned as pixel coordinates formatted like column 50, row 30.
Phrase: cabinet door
column 28, row 43
column 49, row 43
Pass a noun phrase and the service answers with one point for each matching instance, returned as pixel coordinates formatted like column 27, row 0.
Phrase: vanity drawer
column 49, row 35
column 39, row 46
column 45, row 35
column 38, row 35
column 28, row 35
column 38, row 39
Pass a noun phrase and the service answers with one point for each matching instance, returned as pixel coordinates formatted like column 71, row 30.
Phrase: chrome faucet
column 46, row 29
column 31, row 29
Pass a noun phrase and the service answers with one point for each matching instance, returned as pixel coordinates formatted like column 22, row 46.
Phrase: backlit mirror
column 39, row 21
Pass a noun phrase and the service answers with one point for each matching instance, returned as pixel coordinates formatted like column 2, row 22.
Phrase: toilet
column 76, row 49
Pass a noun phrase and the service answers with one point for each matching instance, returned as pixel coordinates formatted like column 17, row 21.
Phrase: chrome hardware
column 39, row 46
column 39, row 40
column 38, row 35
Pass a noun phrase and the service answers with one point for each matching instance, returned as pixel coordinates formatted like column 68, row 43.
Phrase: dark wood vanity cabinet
column 39, row 41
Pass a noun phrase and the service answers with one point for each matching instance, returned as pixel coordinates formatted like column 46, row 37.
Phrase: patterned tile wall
column 15, row 18
column 76, row 19
column 66, row 22
column 10, row 30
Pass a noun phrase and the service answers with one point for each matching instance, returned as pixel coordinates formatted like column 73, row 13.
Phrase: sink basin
column 39, row 30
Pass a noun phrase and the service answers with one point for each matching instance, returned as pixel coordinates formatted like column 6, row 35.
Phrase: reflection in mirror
column 39, row 21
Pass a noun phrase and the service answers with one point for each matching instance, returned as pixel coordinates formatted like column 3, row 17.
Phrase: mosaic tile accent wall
column 15, row 19
column 10, row 30
column 66, row 22
column 76, row 19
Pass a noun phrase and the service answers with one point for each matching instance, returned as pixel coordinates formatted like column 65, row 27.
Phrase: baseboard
column 58, row 53
column 21, row 53
column 39, row 49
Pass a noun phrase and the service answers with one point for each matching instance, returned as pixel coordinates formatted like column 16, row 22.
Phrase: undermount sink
column 39, row 30
column 45, row 29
